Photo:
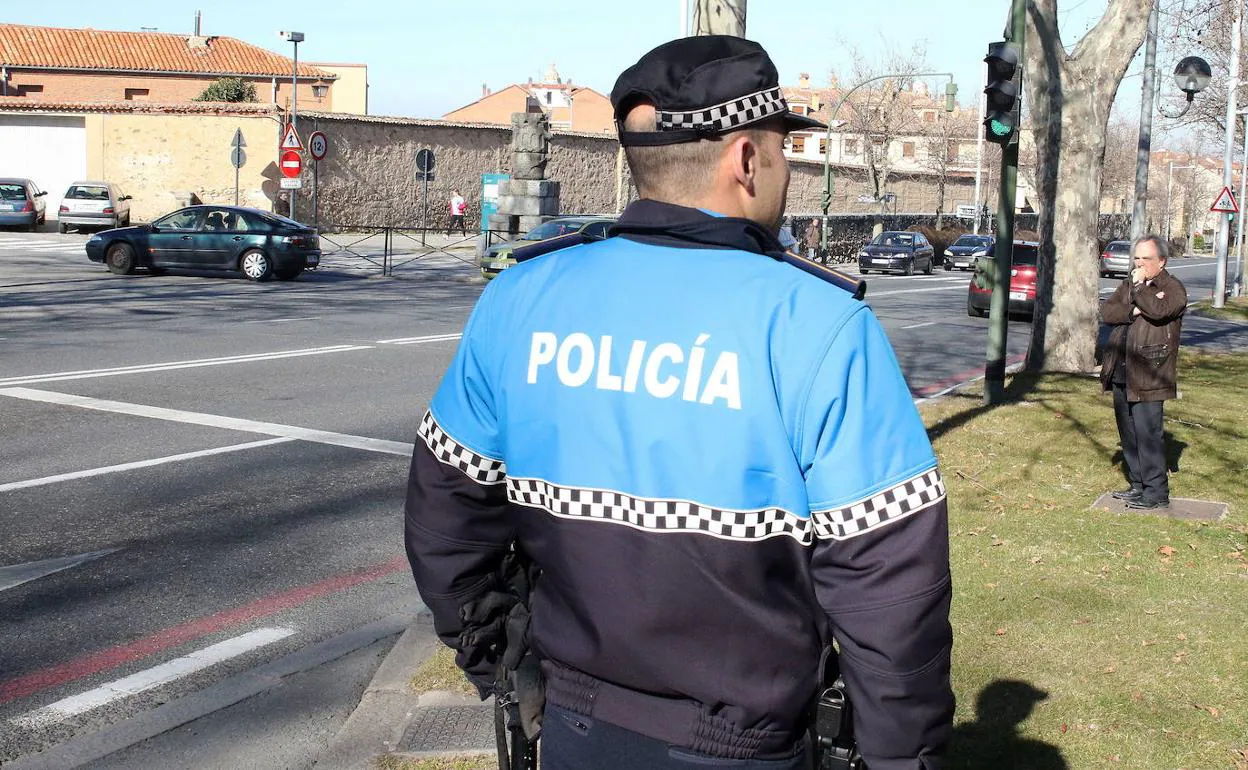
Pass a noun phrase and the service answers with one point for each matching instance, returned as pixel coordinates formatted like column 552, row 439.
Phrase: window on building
column 929, row 116
column 799, row 145
column 29, row 90
column 823, row 146
column 136, row 94
column 548, row 97
column 800, row 109
column 851, row 146
column 907, row 149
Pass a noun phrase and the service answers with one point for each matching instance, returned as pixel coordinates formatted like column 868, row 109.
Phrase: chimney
column 485, row 90
column 197, row 24
column 803, row 80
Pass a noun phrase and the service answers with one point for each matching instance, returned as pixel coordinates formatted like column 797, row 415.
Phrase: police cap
column 701, row 87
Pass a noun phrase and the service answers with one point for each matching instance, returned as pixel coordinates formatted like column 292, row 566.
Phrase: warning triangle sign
column 1225, row 204
column 290, row 140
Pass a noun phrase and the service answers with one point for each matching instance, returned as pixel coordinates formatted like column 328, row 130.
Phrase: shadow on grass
column 993, row 741
column 1015, row 390
column 1174, row 452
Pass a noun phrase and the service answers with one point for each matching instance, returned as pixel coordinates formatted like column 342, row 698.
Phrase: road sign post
column 318, row 146
column 424, row 171
column 291, row 143
column 237, row 157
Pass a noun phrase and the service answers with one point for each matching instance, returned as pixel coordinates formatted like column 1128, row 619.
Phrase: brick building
column 570, row 107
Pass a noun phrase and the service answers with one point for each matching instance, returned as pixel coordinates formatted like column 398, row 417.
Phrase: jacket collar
column 666, row 224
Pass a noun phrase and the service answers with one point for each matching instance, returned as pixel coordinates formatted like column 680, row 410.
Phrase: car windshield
column 893, row 239
column 552, row 228
column 1025, row 255
column 12, row 192
column 87, row 193
column 1119, row 247
column 972, row 240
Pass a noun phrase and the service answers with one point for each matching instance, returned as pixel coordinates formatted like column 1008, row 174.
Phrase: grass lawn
column 1085, row 639
column 1234, row 309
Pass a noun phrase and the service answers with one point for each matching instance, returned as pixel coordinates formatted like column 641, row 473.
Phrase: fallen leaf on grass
column 1136, row 695
column 1181, row 637
column 1063, row 728
column 1036, row 560
column 999, row 632
column 1213, row 710
column 1180, row 657
column 1166, row 551
column 1083, row 621
column 1150, row 612
column 1111, row 669
column 1147, row 642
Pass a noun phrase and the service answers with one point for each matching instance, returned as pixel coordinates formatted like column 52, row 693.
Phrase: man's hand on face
column 1137, row 275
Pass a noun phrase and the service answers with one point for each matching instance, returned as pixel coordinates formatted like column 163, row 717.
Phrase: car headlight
column 94, row 239
column 948, row 253
column 980, row 254
column 863, row 254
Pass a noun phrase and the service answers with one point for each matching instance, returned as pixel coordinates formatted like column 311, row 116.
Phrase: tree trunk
column 1071, row 96
column 719, row 17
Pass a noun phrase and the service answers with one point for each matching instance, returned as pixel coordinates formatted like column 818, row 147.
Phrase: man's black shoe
column 1144, row 504
column 1134, row 493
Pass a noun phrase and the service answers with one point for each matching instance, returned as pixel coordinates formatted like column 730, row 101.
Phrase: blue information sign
column 489, row 196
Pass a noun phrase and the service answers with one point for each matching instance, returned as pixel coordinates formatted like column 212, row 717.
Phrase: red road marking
column 936, row 387
column 171, row 637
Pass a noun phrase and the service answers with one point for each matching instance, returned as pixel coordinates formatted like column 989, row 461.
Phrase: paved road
column 201, row 479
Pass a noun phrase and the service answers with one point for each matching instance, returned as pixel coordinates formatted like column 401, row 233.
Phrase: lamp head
column 1192, row 75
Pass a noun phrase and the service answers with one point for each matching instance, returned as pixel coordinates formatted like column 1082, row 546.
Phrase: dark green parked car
column 259, row 244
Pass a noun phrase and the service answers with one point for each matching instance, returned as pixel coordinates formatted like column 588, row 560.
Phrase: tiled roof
column 27, row 104
column 93, row 49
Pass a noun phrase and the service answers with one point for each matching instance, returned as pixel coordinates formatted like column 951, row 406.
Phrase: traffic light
column 1002, row 94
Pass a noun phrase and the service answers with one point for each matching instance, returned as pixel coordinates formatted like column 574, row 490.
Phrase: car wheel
column 909, row 267
column 120, row 259
column 256, row 265
column 289, row 274
column 62, row 228
column 931, row 265
column 948, row 267
column 863, row 271
column 973, row 311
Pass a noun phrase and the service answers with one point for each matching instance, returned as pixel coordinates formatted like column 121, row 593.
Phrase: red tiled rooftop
column 93, row 49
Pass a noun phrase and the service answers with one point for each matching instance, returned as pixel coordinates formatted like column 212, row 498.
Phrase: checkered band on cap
column 652, row 515
column 910, row 496
column 727, row 116
column 479, row 468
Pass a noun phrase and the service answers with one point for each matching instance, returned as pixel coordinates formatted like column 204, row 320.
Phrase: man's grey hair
column 1163, row 248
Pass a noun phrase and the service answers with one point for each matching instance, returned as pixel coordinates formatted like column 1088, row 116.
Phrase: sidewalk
column 395, row 721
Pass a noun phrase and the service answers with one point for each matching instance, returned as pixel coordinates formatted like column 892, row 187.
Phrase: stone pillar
column 528, row 198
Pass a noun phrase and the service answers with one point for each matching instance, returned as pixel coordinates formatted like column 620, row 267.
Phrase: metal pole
column 1169, row 184
column 1238, row 286
column 998, row 314
column 1140, row 211
column 236, row 181
column 294, row 114
column 1224, row 222
column 316, row 212
column 684, row 18
column 979, row 164
column 424, row 217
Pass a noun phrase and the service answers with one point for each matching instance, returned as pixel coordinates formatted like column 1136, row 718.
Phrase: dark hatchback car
column 256, row 243
column 894, row 251
column 966, row 249
column 1022, row 283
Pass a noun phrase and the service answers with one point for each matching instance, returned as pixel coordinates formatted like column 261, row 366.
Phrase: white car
column 94, row 204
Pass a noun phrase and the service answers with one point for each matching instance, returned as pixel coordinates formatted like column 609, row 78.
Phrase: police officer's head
column 703, row 121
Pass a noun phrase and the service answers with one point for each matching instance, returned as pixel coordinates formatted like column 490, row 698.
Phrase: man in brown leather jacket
column 1140, row 363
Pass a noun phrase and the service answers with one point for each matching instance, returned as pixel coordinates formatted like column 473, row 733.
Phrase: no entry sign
column 290, row 163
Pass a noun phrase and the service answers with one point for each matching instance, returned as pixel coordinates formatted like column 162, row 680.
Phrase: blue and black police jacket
column 716, row 462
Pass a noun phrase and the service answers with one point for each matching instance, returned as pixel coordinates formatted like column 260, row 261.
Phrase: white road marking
column 283, row 320
column 419, row 340
column 919, row 326
column 214, row 421
column 12, row 485
column 14, row 575
column 873, row 294
column 189, row 364
column 152, row 677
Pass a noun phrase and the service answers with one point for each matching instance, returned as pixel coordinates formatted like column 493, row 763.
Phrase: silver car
column 1116, row 259
column 94, row 204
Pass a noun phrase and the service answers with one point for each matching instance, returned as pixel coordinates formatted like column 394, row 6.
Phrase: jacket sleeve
column 1116, row 311
column 880, row 562
column 456, row 525
column 1161, row 309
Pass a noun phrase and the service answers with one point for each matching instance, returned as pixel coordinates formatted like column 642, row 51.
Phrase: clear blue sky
column 427, row 58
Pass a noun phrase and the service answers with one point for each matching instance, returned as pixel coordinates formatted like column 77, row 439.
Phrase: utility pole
column 979, row 164
column 998, row 314
column 1237, row 288
column 1139, row 212
column 1224, row 220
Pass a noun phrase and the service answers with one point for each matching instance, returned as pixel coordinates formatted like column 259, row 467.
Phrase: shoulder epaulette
column 531, row 250
column 855, row 286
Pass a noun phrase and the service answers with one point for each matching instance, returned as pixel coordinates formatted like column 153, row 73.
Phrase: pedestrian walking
column 458, row 207
column 1140, row 367
column 810, row 240
column 712, row 491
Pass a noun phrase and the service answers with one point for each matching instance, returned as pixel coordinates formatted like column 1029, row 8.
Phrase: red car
column 1022, row 283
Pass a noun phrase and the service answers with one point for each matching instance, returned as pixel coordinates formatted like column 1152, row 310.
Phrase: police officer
column 710, row 453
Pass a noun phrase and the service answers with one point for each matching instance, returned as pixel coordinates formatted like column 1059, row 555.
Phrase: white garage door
column 50, row 149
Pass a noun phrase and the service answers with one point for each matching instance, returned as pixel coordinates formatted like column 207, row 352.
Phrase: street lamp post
column 296, row 38
column 950, row 91
column 1169, row 182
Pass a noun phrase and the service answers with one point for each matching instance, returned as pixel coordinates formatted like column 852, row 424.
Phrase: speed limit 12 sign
column 318, row 145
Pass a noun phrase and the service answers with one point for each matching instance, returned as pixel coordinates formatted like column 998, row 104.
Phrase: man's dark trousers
column 572, row 741
column 1143, row 444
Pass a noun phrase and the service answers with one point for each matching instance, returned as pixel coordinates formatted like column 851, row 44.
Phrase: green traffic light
column 999, row 128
